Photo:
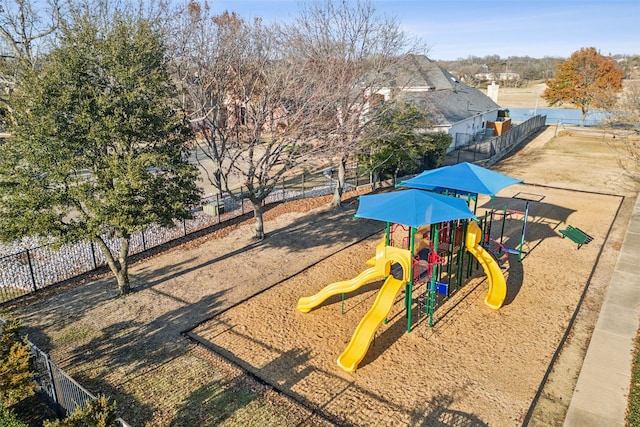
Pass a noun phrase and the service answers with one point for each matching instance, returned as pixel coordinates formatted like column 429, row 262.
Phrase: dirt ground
column 476, row 366
column 523, row 97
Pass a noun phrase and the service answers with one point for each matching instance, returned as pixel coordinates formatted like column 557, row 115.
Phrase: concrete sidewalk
column 600, row 396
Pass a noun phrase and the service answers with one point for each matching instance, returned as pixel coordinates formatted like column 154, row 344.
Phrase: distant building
column 497, row 76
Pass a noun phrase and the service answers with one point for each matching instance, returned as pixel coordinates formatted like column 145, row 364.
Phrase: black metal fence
column 34, row 268
column 60, row 391
column 31, row 269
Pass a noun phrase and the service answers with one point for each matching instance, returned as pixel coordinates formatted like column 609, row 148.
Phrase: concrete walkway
column 600, row 396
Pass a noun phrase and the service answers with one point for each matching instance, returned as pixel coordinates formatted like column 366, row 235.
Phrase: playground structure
column 420, row 267
column 424, row 240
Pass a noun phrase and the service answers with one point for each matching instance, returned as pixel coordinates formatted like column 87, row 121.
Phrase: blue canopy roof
column 463, row 177
column 413, row 208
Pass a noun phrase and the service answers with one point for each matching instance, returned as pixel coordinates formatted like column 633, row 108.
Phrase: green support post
column 431, row 298
column 504, row 220
column 460, row 265
column 409, row 287
column 452, row 248
column 524, row 230
column 387, row 236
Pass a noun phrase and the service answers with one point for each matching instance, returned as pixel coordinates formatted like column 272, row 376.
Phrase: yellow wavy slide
column 378, row 271
column 497, row 285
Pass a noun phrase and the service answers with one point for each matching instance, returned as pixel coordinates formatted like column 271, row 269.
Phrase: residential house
column 455, row 108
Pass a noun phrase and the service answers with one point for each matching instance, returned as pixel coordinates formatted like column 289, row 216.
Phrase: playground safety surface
column 474, row 365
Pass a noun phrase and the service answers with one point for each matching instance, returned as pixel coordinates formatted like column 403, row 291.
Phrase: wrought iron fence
column 61, row 392
column 38, row 267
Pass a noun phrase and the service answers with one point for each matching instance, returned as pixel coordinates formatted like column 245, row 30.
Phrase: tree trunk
column 584, row 117
column 337, row 195
column 259, row 221
column 123, row 275
column 123, row 281
column 119, row 267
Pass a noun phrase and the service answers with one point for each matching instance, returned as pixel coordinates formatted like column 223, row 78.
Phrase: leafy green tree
column 16, row 377
column 587, row 80
column 399, row 141
column 98, row 147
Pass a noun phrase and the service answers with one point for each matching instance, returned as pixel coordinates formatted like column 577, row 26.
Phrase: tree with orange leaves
column 587, row 80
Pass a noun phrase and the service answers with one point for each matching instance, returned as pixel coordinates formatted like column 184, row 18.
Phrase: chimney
column 492, row 91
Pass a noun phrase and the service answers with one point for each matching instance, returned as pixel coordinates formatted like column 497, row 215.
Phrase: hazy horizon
column 459, row 29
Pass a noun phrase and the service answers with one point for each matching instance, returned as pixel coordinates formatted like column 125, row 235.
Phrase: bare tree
column 626, row 116
column 348, row 47
column 248, row 100
column 626, row 113
column 201, row 56
column 25, row 25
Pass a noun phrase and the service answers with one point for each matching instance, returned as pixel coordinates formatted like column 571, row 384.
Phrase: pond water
column 565, row 116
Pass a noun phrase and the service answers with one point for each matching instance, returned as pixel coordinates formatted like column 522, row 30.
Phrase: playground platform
column 601, row 393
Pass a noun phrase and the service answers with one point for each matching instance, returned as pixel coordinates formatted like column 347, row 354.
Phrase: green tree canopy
column 587, row 80
column 98, row 146
column 399, row 140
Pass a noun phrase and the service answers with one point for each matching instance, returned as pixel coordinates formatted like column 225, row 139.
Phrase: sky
column 458, row 29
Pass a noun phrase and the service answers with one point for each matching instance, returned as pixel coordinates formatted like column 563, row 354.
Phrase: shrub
column 99, row 412
column 8, row 418
column 16, row 377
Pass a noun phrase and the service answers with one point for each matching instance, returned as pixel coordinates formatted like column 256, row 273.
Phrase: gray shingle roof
column 448, row 100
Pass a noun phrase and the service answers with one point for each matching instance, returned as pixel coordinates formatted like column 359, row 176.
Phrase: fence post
column 144, row 243
column 54, row 392
column 218, row 205
column 241, row 201
column 33, row 277
column 303, row 172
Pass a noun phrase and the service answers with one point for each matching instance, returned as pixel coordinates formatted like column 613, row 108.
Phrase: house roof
column 422, row 82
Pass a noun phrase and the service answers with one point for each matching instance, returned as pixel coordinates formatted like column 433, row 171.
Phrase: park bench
column 576, row 235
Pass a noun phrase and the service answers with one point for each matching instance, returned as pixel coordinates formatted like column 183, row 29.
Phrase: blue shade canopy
column 463, row 177
column 413, row 208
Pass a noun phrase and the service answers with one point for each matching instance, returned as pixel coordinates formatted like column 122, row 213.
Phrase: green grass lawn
column 633, row 410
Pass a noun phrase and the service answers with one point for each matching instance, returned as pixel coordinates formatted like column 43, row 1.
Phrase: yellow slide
column 497, row 284
column 378, row 271
column 362, row 337
column 305, row 304
column 385, row 257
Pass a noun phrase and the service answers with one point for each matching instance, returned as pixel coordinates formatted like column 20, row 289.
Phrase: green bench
column 576, row 235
